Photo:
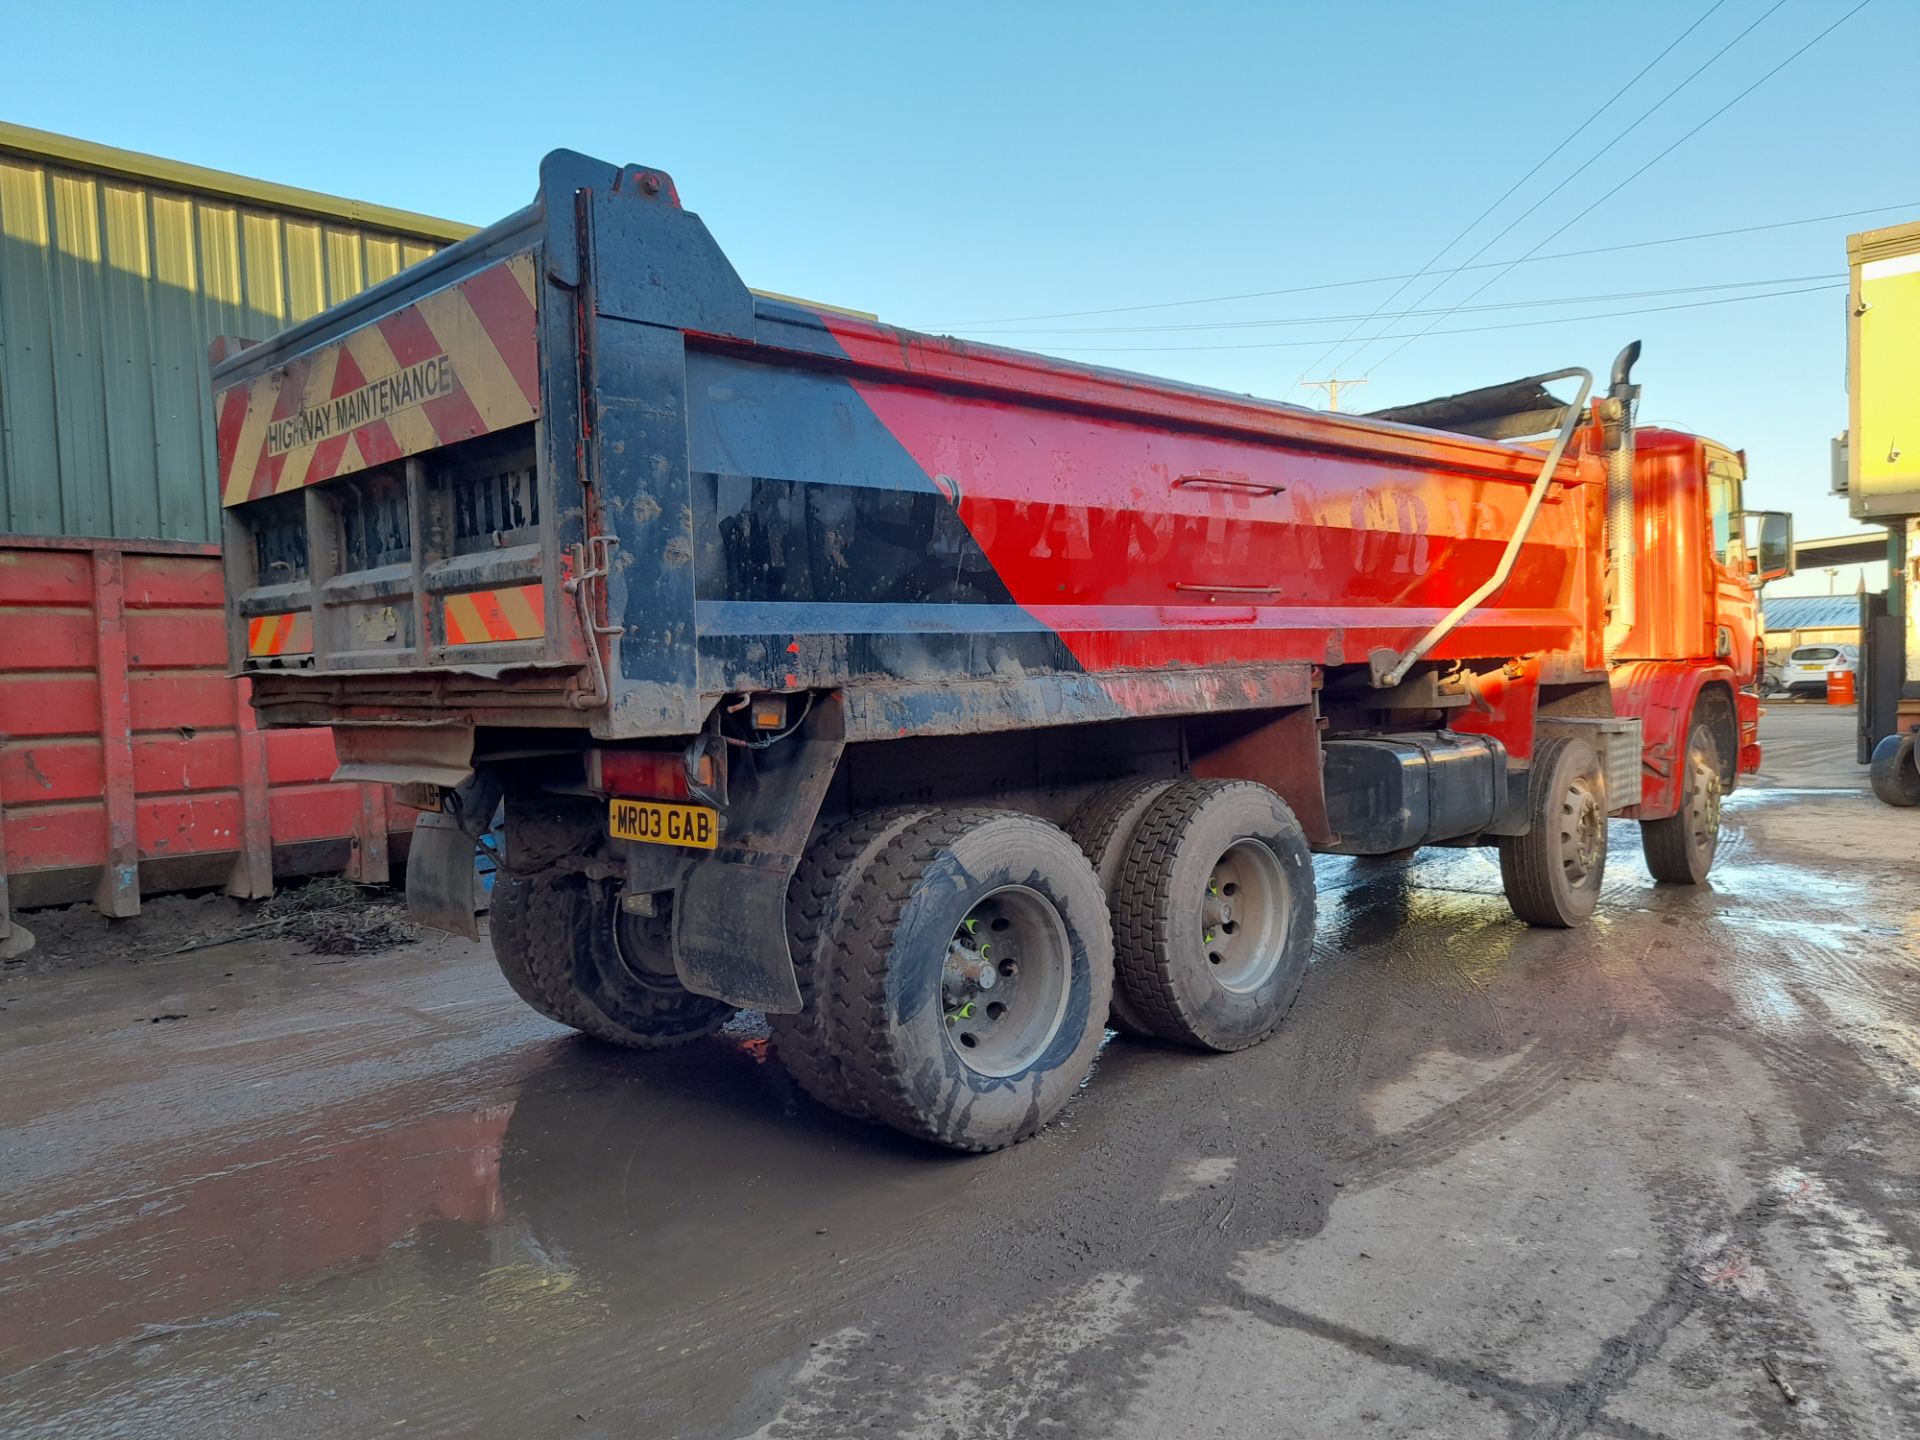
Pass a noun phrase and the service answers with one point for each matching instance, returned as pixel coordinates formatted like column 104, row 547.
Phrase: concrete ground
column 1486, row 1181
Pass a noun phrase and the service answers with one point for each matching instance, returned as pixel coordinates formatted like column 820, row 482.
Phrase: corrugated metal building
column 129, row 762
column 116, row 271
column 1794, row 620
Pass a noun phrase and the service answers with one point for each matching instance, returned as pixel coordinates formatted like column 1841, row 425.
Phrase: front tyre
column 972, row 972
column 1552, row 874
column 1680, row 848
column 570, row 952
column 1896, row 776
column 1215, row 914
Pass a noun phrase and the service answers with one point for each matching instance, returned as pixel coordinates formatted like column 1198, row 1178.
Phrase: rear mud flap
column 442, row 886
column 730, row 933
column 730, row 915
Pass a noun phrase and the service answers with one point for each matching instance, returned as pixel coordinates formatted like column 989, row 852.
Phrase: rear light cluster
column 646, row 774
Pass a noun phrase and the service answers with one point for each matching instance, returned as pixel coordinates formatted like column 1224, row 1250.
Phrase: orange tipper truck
column 948, row 703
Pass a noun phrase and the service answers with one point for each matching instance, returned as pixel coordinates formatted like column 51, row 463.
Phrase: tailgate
column 380, row 470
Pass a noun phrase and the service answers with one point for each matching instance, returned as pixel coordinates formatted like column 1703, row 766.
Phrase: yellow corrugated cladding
column 116, row 271
column 1884, row 366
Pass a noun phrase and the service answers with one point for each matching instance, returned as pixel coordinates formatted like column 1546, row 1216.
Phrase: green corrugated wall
column 116, row 271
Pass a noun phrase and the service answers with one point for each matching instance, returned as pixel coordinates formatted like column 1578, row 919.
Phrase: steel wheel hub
column 1244, row 916
column 1006, row 981
column 1703, row 806
column 1583, row 830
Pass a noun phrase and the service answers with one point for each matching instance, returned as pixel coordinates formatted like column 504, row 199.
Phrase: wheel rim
column 1244, row 916
column 1006, row 982
column 635, row 946
column 1703, row 799
column 1583, row 833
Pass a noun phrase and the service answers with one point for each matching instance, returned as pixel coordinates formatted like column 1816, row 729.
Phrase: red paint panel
column 167, row 763
column 301, row 757
column 35, row 772
column 180, row 786
column 1242, row 550
column 46, row 640
column 63, row 837
column 187, row 825
column 170, row 639
column 312, row 812
column 163, row 701
column 48, row 705
column 175, row 580
column 45, row 577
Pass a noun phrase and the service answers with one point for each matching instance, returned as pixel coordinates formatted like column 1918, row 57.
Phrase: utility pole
column 1333, row 385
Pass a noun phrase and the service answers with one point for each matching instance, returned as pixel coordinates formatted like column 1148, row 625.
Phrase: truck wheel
column 1103, row 827
column 1896, row 776
column 1552, row 873
column 972, row 968
column 1214, row 926
column 1680, row 847
column 832, row 865
column 571, row 953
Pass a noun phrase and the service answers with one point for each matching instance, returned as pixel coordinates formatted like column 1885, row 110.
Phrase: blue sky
column 951, row 165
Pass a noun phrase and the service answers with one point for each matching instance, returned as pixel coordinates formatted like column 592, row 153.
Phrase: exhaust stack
column 1623, row 396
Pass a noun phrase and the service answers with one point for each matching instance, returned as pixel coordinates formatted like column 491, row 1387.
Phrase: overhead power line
column 979, row 326
column 1584, row 165
column 1189, row 325
column 1457, row 330
column 1715, row 115
column 1538, row 165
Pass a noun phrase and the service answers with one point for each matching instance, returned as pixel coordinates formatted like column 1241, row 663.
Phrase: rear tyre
column 1896, row 776
column 1680, row 848
column 1103, row 828
column 972, row 970
column 1214, row 925
column 1552, row 874
column 833, row 864
column 571, row 953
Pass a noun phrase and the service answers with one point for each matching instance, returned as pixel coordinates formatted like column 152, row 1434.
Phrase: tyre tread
column 834, row 862
column 541, row 923
column 1106, row 820
column 1144, row 955
column 856, row 1018
column 1527, row 870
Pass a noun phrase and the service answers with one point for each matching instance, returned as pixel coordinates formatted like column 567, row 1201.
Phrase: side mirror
column 1766, row 536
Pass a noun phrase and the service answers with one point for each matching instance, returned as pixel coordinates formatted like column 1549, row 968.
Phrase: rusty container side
column 129, row 761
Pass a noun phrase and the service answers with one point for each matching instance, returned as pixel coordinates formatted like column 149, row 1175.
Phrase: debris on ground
column 330, row 916
column 1774, row 1373
column 325, row 916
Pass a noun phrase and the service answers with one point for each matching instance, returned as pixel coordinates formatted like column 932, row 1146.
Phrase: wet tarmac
column 1485, row 1182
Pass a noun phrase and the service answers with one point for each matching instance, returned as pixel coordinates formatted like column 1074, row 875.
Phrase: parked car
column 1805, row 672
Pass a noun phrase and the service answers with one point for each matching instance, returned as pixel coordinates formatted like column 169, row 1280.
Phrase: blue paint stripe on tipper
column 777, row 617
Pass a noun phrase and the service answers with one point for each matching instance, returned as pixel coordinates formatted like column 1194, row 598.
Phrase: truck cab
column 1688, row 657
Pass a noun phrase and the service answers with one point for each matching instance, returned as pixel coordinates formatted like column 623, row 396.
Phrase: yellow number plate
column 662, row 824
